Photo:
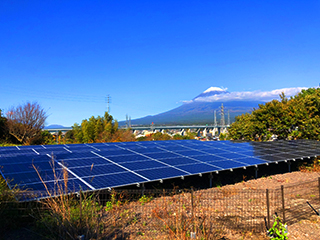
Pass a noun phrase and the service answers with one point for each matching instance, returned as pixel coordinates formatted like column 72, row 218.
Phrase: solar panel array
column 107, row 165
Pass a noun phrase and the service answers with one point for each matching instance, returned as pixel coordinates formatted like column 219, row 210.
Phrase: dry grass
column 68, row 216
column 313, row 167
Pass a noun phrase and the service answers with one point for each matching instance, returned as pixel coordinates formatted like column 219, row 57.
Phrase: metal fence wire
column 219, row 208
column 187, row 210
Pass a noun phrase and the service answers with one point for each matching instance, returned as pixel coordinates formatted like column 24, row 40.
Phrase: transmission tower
column 127, row 122
column 108, row 100
column 222, row 115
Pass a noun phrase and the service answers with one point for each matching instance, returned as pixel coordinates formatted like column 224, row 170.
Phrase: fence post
column 283, row 207
column 268, row 207
column 319, row 186
column 192, row 209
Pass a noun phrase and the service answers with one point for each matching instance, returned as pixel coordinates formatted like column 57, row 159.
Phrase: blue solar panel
column 111, row 180
column 228, row 164
column 139, row 165
column 208, row 158
column 97, row 170
column 103, row 165
column 175, row 148
column 252, row 161
column 70, row 156
column 24, row 167
column 198, row 168
column 177, row 161
column 161, row 155
column 33, row 177
column 149, row 150
column 190, row 153
column 55, row 187
column 215, row 151
column 231, row 155
column 115, row 152
column 128, row 158
column 83, row 162
column 162, row 173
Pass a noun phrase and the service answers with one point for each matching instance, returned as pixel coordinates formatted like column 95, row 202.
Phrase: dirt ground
column 302, row 230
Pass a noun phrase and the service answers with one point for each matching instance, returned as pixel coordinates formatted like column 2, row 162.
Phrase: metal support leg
column 142, row 188
column 289, row 166
column 210, row 178
column 256, row 172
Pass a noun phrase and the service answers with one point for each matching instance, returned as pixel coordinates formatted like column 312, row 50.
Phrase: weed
column 244, row 178
column 278, row 230
column 145, row 199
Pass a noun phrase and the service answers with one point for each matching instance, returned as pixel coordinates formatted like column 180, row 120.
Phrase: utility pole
column 215, row 118
column 228, row 122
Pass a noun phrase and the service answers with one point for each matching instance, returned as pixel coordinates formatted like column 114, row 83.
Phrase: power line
column 43, row 94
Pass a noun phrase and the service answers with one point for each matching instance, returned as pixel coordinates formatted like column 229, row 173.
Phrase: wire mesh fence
column 182, row 212
column 219, row 208
column 300, row 201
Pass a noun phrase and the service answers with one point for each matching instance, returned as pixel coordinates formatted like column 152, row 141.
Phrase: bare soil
column 306, row 226
column 308, row 229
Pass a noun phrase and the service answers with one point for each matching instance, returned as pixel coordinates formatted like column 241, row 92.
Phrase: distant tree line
column 294, row 118
column 98, row 129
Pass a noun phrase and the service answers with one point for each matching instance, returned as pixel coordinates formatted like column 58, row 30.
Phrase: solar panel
column 162, row 173
column 177, row 161
column 196, row 168
column 108, row 165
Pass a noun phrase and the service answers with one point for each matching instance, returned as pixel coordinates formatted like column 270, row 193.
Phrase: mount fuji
column 200, row 110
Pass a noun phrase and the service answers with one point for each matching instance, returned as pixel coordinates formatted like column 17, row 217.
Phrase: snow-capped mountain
column 211, row 92
column 200, row 110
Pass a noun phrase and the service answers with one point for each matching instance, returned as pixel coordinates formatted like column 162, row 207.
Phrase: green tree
column 88, row 129
column 77, row 133
column 95, row 129
column 297, row 117
column 161, row 136
column 98, row 128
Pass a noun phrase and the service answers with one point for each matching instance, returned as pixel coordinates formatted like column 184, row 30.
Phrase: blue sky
column 150, row 56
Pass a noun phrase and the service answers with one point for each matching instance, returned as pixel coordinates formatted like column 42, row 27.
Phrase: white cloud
column 253, row 95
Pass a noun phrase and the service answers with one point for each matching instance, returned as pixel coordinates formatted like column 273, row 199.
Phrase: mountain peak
column 215, row 89
column 211, row 92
